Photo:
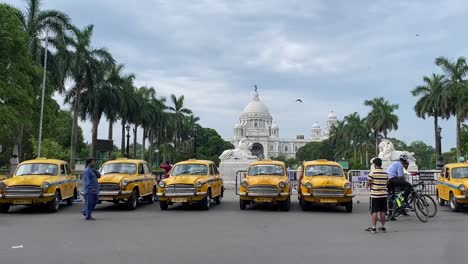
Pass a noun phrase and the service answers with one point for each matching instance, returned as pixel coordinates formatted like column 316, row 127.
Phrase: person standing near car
column 90, row 189
column 378, row 180
column 166, row 166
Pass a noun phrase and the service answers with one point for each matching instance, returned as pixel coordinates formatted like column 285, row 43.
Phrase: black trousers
column 401, row 183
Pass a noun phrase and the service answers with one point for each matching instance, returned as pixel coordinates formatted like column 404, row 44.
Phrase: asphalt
column 226, row 235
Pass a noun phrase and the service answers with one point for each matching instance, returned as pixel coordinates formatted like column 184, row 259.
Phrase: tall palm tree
column 339, row 139
column 127, row 108
column 84, row 61
column 434, row 100
column 456, row 72
column 381, row 119
column 179, row 113
column 357, row 130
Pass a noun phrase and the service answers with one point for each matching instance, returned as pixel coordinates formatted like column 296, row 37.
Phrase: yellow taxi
column 452, row 185
column 324, row 182
column 191, row 182
column 39, row 181
column 266, row 181
column 126, row 180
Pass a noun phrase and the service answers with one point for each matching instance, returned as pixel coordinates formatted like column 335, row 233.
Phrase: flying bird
column 299, row 100
column 417, row 35
column 255, row 87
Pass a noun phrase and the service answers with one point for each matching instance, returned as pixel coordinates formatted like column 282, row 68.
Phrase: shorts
column 378, row 205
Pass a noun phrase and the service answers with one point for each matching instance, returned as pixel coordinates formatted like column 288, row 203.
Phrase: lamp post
column 127, row 127
column 439, row 158
column 39, row 140
column 157, row 156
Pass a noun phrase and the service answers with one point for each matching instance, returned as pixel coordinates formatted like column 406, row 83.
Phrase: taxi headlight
column 347, row 186
column 308, row 185
column 2, row 185
column 244, row 184
column 45, row 185
column 461, row 187
column 199, row 184
column 162, row 184
column 124, row 182
column 282, row 184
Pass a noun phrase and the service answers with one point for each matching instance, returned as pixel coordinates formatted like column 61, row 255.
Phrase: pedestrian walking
column 166, row 166
column 378, row 180
column 90, row 188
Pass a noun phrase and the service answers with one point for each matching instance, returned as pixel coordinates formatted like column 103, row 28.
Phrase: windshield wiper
column 113, row 172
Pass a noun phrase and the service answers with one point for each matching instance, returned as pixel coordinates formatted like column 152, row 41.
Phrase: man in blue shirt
column 90, row 188
column 396, row 177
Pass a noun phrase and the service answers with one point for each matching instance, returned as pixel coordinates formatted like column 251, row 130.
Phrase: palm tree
column 84, row 61
column 179, row 113
column 456, row 71
column 434, row 100
column 381, row 119
column 339, row 139
column 357, row 131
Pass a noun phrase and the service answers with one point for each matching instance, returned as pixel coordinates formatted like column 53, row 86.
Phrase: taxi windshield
column 323, row 170
column 190, row 169
column 37, row 169
column 119, row 168
column 459, row 173
column 266, row 169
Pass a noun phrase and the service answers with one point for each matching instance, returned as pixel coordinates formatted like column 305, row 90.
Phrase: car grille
column 266, row 189
column 109, row 187
column 180, row 188
column 327, row 192
column 23, row 190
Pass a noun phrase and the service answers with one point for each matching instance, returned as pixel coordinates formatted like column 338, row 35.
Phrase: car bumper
column 26, row 196
column 245, row 194
column 181, row 194
column 113, row 195
column 329, row 196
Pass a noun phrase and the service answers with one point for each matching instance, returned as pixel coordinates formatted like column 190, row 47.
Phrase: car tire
column 206, row 202
column 305, row 205
column 54, row 205
column 242, row 204
column 440, row 200
column 220, row 197
column 116, row 201
column 454, row 205
column 285, row 205
column 163, row 205
column 4, row 208
column 349, row 207
column 150, row 198
column 132, row 202
column 70, row 201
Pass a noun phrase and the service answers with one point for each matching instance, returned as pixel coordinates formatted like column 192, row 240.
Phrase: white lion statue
column 387, row 151
column 241, row 152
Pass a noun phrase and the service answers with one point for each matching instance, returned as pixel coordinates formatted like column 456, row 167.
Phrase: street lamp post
column 39, row 140
column 439, row 158
column 127, row 127
column 157, row 156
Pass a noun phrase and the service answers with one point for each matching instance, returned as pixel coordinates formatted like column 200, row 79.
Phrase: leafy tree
column 315, row 150
column 210, row 144
column 50, row 149
column 464, row 140
column 423, row 153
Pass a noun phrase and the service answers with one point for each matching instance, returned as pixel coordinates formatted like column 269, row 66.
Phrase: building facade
column 258, row 127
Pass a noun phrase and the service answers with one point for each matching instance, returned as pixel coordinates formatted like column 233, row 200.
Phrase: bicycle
column 420, row 204
column 429, row 202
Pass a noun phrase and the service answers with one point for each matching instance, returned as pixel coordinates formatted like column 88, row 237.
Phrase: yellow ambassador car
column 266, row 181
column 452, row 185
column 324, row 182
column 191, row 182
column 39, row 182
column 126, row 180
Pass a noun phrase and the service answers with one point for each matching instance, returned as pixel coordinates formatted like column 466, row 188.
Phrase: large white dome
column 256, row 106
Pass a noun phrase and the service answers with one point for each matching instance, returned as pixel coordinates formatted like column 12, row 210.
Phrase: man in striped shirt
column 378, row 180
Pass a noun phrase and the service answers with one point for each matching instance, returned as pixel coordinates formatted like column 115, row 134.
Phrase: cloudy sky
column 331, row 54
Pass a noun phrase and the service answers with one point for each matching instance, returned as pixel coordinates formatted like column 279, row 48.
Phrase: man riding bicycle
column 396, row 177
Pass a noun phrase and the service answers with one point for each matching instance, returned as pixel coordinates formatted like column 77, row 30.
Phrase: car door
column 148, row 177
column 445, row 182
column 217, row 179
column 142, row 182
column 71, row 179
column 64, row 186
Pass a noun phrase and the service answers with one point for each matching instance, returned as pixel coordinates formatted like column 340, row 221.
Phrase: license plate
column 263, row 200
column 179, row 200
column 328, row 201
column 22, row 202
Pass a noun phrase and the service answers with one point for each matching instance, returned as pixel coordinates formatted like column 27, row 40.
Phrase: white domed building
column 258, row 127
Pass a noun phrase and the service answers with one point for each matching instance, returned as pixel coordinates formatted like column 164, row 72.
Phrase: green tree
column 179, row 112
column 464, row 140
column 434, row 100
column 456, row 72
column 381, row 119
column 315, row 150
column 50, row 149
column 84, row 62
column 423, row 153
column 210, row 144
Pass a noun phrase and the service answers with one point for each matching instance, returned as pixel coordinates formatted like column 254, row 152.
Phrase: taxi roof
column 457, row 165
column 125, row 160
column 267, row 161
column 321, row 162
column 44, row 160
column 195, row 161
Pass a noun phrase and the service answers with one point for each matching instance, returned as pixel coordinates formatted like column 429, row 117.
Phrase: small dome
column 237, row 125
column 274, row 126
column 256, row 106
column 316, row 125
column 332, row 115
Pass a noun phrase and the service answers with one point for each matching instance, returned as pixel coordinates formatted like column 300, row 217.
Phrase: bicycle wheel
column 421, row 210
column 391, row 210
column 430, row 203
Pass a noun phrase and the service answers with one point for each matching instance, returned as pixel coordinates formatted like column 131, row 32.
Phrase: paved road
column 227, row 235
